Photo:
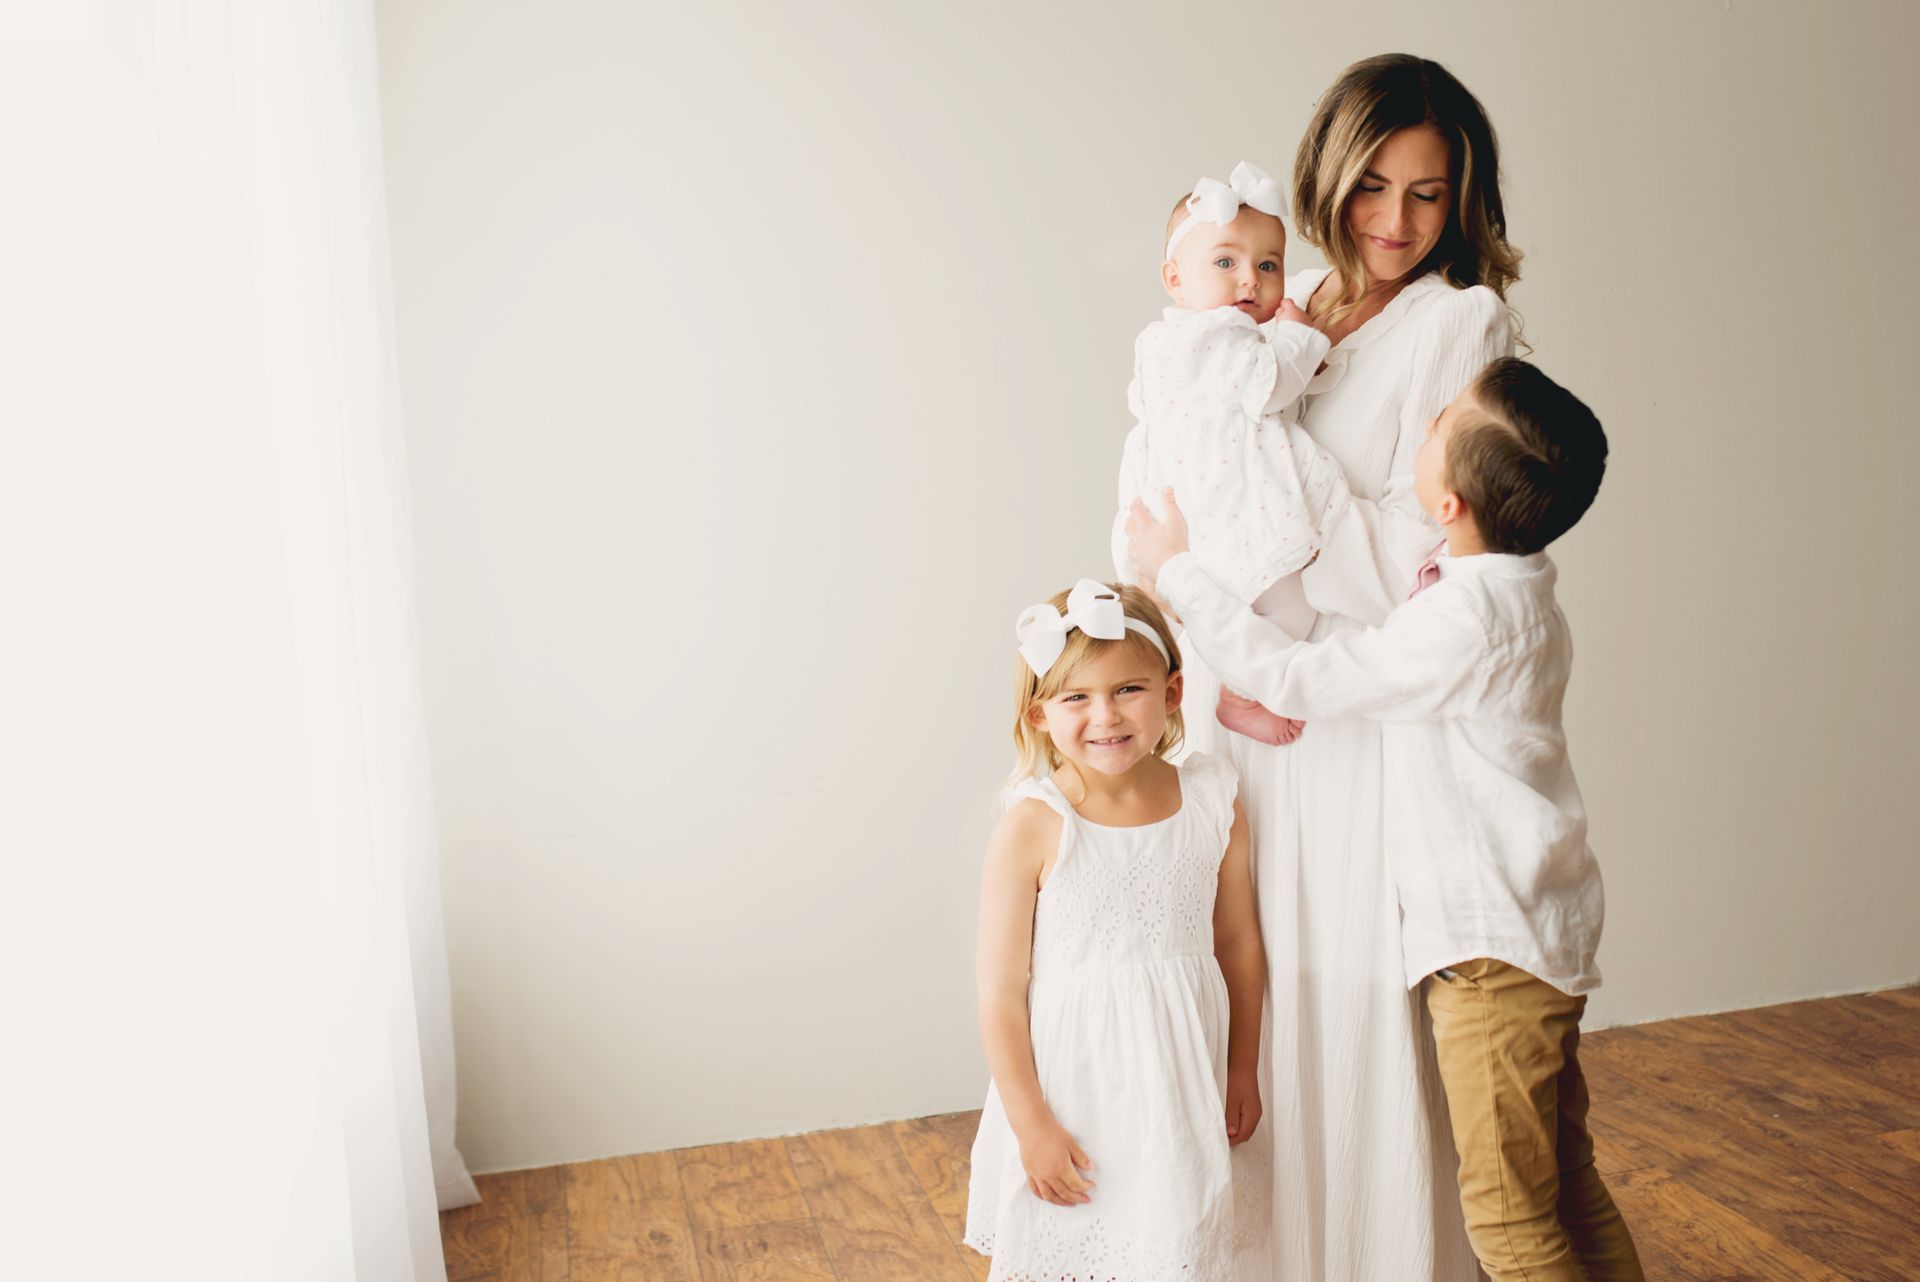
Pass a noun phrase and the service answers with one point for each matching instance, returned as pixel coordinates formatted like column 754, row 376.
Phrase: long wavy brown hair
column 1372, row 99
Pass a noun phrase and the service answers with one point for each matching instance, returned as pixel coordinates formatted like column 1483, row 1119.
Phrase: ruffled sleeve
column 1371, row 550
column 1040, row 789
column 1047, row 792
column 1208, row 783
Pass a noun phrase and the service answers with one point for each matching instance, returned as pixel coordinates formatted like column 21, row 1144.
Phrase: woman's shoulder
column 1210, row 776
column 1445, row 308
column 1301, row 284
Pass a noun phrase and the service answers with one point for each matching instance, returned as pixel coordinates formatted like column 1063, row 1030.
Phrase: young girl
column 1120, row 969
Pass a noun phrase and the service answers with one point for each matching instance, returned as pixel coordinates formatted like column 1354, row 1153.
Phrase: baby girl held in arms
column 1215, row 390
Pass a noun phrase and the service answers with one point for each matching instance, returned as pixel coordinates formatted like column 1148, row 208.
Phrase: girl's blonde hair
column 1372, row 99
column 1031, row 744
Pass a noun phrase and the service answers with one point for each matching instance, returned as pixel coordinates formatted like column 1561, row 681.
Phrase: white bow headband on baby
column 1219, row 202
column 1092, row 607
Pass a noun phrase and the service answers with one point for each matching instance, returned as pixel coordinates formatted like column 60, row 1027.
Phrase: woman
column 1396, row 182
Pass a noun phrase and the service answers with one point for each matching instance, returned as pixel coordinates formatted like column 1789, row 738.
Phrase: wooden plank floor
column 1781, row 1143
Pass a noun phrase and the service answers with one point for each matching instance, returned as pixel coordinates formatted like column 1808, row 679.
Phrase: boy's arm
column 1412, row 668
column 1243, row 964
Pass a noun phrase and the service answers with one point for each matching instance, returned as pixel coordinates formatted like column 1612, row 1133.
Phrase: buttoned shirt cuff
column 1181, row 583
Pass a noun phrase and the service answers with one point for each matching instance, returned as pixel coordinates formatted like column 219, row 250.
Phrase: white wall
column 762, row 360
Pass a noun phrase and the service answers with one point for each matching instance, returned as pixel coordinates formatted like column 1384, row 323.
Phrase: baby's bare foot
column 1244, row 716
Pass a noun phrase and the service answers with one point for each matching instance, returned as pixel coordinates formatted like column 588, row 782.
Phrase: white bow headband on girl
column 1219, row 202
column 1092, row 607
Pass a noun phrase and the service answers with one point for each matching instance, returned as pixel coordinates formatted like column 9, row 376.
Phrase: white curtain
column 228, row 1048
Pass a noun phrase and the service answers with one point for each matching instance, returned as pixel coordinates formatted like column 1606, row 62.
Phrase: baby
column 1214, row 387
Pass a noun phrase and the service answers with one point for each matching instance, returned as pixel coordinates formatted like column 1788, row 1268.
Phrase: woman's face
column 1400, row 206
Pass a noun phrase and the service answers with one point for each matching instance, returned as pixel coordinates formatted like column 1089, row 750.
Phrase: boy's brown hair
column 1527, row 461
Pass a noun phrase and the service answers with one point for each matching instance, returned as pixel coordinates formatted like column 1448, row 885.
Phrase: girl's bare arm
column 1017, row 853
column 1243, row 963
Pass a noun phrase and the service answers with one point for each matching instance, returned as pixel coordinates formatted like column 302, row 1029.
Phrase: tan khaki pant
column 1536, row 1208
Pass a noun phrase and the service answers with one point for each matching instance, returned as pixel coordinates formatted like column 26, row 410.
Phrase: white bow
column 1219, row 202
column 1092, row 607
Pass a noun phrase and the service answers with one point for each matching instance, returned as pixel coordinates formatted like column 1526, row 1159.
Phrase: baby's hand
column 1054, row 1164
column 1243, row 1105
column 1290, row 310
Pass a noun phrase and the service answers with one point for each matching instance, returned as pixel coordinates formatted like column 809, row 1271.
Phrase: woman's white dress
column 1128, row 1012
column 1364, row 1183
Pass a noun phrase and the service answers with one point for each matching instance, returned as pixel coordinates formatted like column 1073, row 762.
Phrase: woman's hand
column 1054, row 1164
column 1150, row 543
column 1243, row 1105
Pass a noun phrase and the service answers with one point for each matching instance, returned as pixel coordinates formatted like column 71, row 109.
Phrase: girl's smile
column 1112, row 712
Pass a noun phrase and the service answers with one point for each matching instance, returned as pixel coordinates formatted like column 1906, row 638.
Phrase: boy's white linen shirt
column 1486, row 832
column 1213, row 393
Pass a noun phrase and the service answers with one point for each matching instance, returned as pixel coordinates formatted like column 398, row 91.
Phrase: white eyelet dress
column 1128, row 1012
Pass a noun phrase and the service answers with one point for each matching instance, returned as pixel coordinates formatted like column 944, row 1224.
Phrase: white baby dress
column 1128, row 1011
column 1214, row 395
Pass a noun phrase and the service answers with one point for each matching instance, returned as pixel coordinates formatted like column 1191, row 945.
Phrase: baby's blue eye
column 1223, row 263
column 1269, row 266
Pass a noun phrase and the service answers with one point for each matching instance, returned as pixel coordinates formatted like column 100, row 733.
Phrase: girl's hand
column 1054, row 1164
column 1243, row 1105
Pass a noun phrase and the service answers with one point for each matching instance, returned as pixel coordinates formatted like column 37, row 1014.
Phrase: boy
column 1486, row 833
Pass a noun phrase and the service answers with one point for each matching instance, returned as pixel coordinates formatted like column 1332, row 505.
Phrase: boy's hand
column 1054, row 1164
column 1290, row 311
column 1243, row 1105
column 1150, row 543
